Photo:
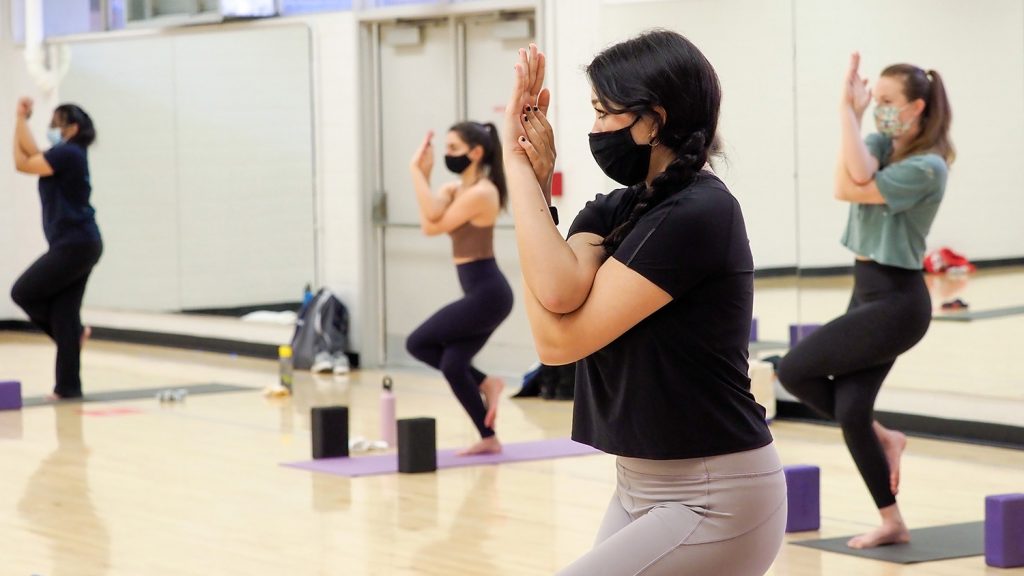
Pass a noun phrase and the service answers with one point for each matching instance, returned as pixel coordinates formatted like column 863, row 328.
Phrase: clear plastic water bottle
column 388, row 425
column 284, row 355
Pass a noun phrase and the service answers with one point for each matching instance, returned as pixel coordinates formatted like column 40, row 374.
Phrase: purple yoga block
column 1004, row 530
column 753, row 330
column 10, row 395
column 798, row 332
column 803, row 490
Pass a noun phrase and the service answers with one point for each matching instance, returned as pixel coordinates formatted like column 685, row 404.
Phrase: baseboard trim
column 825, row 271
column 776, row 272
column 167, row 340
column 239, row 311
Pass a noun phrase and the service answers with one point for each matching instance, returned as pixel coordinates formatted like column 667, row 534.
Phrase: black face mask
column 457, row 164
column 621, row 158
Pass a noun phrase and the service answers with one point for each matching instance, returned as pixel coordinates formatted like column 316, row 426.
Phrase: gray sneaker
column 322, row 362
column 341, row 364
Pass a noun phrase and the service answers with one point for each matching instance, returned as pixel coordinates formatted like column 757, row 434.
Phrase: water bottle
column 284, row 355
column 388, row 426
column 307, row 296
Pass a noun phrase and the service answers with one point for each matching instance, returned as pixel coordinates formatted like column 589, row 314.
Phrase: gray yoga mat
column 140, row 394
column 926, row 545
column 968, row 315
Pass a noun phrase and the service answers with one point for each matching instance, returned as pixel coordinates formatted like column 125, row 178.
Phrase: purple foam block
column 803, row 490
column 1004, row 530
column 10, row 395
column 753, row 330
column 798, row 332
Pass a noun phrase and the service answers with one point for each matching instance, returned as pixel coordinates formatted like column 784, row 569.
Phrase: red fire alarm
column 556, row 184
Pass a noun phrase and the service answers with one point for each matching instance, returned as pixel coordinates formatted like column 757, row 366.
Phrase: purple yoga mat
column 388, row 463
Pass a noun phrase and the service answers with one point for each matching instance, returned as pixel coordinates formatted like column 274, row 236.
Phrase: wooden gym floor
column 138, row 488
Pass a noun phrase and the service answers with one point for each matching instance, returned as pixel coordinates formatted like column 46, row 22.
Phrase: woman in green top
column 894, row 181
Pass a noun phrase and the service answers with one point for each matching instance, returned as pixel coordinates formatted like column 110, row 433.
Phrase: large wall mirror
column 965, row 368
column 203, row 172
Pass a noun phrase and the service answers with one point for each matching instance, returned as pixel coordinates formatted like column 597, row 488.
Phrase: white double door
column 429, row 75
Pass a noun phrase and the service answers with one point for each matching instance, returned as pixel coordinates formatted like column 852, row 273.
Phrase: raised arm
column 559, row 274
column 27, row 157
column 857, row 160
column 422, row 164
column 574, row 296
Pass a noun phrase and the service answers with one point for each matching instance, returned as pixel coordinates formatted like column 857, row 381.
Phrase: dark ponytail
column 72, row 114
column 486, row 136
column 661, row 68
column 937, row 116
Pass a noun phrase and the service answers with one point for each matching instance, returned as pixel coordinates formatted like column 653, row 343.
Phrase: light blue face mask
column 53, row 135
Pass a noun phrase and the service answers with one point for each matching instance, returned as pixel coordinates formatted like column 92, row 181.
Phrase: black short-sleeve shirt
column 676, row 385
column 68, row 218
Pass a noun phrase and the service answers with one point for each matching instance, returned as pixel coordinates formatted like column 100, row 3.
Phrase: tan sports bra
column 471, row 242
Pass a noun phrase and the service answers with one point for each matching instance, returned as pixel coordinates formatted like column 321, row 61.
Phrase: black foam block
column 417, row 445
column 330, row 432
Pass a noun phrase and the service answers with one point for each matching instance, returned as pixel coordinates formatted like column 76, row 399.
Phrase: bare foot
column 886, row 534
column 484, row 446
column 893, row 443
column 86, row 334
column 491, row 388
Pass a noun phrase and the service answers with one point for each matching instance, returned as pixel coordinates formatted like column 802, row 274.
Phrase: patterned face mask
column 887, row 120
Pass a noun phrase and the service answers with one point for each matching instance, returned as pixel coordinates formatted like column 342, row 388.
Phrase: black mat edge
column 973, row 315
column 139, row 394
column 966, row 431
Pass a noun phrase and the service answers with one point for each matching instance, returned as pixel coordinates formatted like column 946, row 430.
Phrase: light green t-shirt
column 894, row 233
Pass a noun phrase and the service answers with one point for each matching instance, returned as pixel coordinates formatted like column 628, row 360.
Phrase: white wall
column 780, row 62
column 21, row 234
column 748, row 42
column 343, row 219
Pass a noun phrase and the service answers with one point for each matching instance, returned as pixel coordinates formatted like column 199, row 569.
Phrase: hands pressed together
column 856, row 92
column 25, row 106
column 528, row 136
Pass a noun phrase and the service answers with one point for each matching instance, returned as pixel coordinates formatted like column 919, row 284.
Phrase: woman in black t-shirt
column 651, row 295
column 51, row 290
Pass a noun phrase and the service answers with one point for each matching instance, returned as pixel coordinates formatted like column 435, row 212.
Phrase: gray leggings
column 702, row 516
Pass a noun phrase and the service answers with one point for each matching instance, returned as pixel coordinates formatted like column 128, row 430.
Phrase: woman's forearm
column 23, row 139
column 858, row 161
column 550, row 267
column 544, row 326
column 431, row 207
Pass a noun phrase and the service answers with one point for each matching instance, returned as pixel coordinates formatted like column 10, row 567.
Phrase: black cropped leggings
column 839, row 369
column 450, row 338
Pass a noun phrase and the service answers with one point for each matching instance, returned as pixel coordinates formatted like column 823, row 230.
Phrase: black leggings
column 450, row 338
column 839, row 369
column 50, row 292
